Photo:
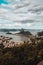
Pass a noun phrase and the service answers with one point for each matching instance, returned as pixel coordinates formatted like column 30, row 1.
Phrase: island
column 23, row 32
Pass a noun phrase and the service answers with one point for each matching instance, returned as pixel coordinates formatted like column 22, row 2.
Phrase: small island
column 8, row 32
column 23, row 32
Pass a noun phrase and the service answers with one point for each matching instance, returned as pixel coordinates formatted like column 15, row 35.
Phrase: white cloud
column 16, row 25
column 21, row 10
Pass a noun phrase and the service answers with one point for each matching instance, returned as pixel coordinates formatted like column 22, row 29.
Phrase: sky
column 27, row 14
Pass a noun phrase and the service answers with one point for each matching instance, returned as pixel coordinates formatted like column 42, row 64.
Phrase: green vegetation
column 24, row 54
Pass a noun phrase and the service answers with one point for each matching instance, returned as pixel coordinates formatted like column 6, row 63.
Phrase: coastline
column 30, row 48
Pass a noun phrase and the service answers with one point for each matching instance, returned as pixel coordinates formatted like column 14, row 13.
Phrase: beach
column 22, row 48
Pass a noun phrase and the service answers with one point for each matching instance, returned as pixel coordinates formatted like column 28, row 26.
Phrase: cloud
column 37, row 9
column 15, row 25
column 39, row 25
column 23, row 12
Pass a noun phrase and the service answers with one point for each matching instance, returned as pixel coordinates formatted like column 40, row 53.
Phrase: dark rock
column 24, row 32
column 40, row 33
column 40, row 63
column 8, row 33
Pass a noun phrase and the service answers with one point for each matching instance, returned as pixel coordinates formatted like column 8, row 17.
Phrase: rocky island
column 25, row 33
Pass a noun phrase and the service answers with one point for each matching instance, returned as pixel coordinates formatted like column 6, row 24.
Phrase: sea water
column 18, row 38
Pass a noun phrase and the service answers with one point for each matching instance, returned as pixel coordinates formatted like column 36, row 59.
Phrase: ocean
column 18, row 38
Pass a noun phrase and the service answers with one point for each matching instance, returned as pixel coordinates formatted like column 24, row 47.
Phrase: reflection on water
column 19, row 38
column 16, row 38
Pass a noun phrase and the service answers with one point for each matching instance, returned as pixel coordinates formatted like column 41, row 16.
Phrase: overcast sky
column 27, row 14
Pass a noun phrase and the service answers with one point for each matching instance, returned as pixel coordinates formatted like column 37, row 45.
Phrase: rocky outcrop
column 24, row 32
column 40, row 33
column 40, row 63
